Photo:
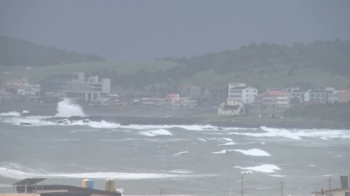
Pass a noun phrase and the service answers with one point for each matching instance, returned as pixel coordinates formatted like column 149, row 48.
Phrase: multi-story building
column 300, row 94
column 191, row 91
column 90, row 89
column 276, row 98
column 216, row 94
column 241, row 92
column 78, row 87
column 317, row 96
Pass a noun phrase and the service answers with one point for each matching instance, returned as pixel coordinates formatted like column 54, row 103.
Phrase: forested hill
column 331, row 56
column 16, row 52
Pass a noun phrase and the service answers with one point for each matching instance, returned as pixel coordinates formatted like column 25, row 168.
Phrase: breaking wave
column 66, row 108
column 17, row 174
column 12, row 113
column 265, row 168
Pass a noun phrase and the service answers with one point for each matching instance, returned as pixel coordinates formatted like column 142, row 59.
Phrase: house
column 241, row 92
column 171, row 99
column 191, row 91
column 30, row 186
column 343, row 191
column 275, row 98
column 231, row 108
column 343, row 95
column 23, row 87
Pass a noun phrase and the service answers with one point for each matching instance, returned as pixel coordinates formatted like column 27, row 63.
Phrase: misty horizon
column 133, row 30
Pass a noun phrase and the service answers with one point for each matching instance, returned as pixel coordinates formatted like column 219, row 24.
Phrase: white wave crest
column 227, row 144
column 180, row 153
column 265, row 168
column 155, row 133
column 220, row 152
column 296, row 134
column 16, row 174
column 253, row 152
column 11, row 113
column 66, row 108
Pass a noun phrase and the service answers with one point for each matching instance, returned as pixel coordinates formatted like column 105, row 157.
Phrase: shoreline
column 143, row 115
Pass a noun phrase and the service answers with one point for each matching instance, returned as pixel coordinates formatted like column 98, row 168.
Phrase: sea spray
column 66, row 108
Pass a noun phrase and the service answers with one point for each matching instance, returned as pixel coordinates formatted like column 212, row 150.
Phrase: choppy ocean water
column 179, row 159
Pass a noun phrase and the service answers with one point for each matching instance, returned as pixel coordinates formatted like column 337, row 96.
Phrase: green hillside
column 317, row 64
column 16, row 52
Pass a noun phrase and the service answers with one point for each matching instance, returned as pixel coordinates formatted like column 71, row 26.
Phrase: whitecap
column 11, row 113
column 265, row 168
column 220, row 152
column 16, row 174
column 201, row 139
column 180, row 153
column 227, row 144
column 155, row 133
column 253, row 152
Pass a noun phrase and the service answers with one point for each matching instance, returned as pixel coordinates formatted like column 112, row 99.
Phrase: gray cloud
column 137, row 30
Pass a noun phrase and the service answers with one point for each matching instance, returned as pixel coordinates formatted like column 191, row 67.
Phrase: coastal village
column 228, row 99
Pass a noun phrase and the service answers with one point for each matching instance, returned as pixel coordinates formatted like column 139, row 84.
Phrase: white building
column 242, row 93
column 90, row 89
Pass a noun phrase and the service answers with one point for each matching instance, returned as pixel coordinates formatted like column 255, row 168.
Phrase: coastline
column 159, row 116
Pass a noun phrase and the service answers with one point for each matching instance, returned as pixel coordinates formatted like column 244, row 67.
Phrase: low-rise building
column 275, row 98
column 231, row 108
column 343, row 95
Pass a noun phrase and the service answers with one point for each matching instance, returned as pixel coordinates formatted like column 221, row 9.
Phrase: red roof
column 277, row 92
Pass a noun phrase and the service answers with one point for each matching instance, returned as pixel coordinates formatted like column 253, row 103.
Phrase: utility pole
column 242, row 185
column 281, row 188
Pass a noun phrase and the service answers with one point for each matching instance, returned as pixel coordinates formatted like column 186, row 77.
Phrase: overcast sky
column 140, row 30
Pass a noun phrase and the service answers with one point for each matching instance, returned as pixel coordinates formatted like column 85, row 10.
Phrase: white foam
column 181, row 171
column 201, row 139
column 66, row 108
column 180, row 153
column 12, row 113
column 16, row 174
column 277, row 175
column 296, row 134
column 254, row 152
column 187, row 127
column 227, row 139
column 220, row 152
column 265, row 168
column 227, row 144
column 25, row 112
column 155, row 133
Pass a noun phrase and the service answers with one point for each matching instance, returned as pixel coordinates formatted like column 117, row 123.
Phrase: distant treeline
column 337, row 112
column 16, row 52
column 332, row 56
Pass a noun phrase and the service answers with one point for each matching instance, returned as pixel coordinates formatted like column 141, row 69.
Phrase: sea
column 170, row 159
